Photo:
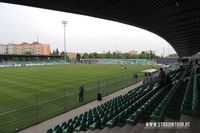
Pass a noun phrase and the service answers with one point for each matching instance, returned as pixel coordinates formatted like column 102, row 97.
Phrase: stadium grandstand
column 144, row 107
column 148, row 102
column 29, row 60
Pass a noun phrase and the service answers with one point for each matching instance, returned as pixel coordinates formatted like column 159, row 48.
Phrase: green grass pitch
column 29, row 95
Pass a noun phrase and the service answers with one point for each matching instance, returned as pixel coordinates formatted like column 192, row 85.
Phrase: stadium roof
column 177, row 21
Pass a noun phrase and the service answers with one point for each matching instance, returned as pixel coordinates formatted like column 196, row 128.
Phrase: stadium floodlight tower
column 64, row 25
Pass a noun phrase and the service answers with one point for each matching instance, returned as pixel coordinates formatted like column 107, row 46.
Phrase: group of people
column 147, row 77
column 163, row 77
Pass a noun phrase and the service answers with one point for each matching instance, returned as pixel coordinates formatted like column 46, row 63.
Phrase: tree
column 102, row 56
column 53, row 52
column 119, row 56
column 78, row 56
column 57, row 51
column 62, row 53
column 108, row 55
column 114, row 55
column 91, row 55
column 95, row 55
column 126, row 56
column 27, row 53
column 85, row 56
column 143, row 55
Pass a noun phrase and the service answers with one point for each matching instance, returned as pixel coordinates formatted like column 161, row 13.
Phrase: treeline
column 110, row 55
column 57, row 52
column 116, row 55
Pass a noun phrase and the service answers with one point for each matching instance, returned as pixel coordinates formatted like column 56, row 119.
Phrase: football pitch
column 29, row 95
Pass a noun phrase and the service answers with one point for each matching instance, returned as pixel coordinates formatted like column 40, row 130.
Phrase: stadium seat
column 68, row 130
column 49, row 131
column 112, row 122
column 95, row 125
column 82, row 127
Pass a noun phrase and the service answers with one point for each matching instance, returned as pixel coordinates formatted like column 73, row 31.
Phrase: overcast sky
column 84, row 34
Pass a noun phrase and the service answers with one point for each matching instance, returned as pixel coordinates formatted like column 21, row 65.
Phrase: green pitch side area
column 29, row 95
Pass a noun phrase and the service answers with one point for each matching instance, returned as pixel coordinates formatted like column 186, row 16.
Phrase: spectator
column 135, row 76
column 150, row 77
column 162, row 77
column 145, row 78
column 81, row 93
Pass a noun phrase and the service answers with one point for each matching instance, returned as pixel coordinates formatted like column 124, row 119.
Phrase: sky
column 83, row 33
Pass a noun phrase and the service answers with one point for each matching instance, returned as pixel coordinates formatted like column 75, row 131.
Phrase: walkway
column 44, row 126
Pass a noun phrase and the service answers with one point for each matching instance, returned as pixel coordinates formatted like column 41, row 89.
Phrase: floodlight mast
column 64, row 25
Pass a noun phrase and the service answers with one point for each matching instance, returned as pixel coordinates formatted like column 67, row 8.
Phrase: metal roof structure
column 177, row 21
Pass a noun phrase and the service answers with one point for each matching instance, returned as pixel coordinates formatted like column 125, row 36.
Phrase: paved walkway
column 44, row 126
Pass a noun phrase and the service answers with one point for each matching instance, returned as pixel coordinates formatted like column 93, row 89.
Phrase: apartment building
column 34, row 48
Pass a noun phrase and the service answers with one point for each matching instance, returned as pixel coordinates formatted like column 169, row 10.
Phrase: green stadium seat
column 95, row 125
column 56, row 127
column 69, row 121
column 132, row 119
column 191, row 95
column 82, row 127
column 104, row 120
column 112, row 122
column 49, row 131
column 68, row 130
column 121, row 116
column 64, row 125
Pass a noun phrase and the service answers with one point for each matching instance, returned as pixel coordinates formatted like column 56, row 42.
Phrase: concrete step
column 194, row 124
column 105, row 130
column 138, row 128
column 115, row 129
column 125, row 128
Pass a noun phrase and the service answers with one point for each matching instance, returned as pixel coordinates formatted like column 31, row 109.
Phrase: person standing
column 145, row 78
column 150, row 77
column 135, row 77
column 81, row 93
column 162, row 77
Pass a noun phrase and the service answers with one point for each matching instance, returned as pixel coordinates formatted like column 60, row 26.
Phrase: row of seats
column 195, row 92
column 135, row 105
column 116, row 110
column 158, row 114
column 133, row 119
column 120, row 113
column 125, row 110
column 100, row 115
column 190, row 100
